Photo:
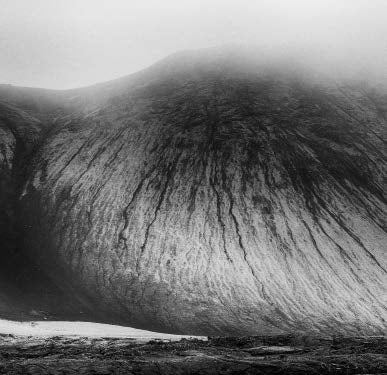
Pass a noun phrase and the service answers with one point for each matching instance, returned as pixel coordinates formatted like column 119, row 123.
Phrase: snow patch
column 87, row 329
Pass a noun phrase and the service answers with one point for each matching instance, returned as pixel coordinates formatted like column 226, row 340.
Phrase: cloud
column 70, row 43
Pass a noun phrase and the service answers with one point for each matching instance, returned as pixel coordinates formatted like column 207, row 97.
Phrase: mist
column 71, row 43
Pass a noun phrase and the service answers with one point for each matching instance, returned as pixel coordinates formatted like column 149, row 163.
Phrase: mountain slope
column 216, row 196
column 26, row 291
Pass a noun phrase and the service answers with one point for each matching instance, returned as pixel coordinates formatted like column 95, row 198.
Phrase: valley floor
column 245, row 355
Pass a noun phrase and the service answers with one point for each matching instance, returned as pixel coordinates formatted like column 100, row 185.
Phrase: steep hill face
column 26, row 291
column 215, row 198
column 19, row 133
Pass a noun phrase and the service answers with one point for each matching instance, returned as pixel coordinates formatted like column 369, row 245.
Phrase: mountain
column 215, row 192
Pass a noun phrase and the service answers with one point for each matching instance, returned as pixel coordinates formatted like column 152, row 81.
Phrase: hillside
column 212, row 193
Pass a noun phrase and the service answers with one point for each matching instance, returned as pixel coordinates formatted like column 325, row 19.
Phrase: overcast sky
column 72, row 43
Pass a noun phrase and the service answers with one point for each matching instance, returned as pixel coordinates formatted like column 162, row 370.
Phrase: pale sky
column 72, row 43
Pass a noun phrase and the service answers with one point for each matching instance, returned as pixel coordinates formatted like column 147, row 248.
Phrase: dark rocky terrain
column 208, row 194
column 290, row 355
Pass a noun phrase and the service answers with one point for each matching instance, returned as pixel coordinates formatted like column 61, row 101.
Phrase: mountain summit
column 212, row 193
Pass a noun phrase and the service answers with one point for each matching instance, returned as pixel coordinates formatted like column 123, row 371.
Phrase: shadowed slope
column 26, row 291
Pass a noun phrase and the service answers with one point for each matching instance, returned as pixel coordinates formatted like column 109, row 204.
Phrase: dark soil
column 219, row 355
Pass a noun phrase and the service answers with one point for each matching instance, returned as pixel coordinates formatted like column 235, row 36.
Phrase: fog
column 70, row 43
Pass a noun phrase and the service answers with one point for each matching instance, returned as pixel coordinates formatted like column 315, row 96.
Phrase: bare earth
column 245, row 355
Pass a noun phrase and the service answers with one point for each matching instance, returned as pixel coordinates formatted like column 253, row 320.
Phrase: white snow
column 84, row 329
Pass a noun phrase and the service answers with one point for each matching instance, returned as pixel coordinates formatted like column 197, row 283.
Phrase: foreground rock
column 62, row 355
column 208, row 194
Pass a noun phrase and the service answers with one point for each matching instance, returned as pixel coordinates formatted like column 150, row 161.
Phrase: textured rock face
column 217, row 200
column 18, row 133
column 24, row 287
